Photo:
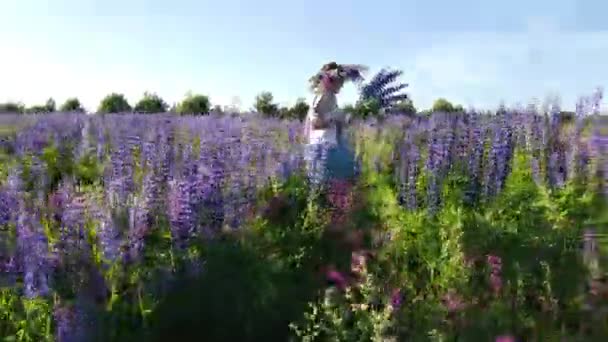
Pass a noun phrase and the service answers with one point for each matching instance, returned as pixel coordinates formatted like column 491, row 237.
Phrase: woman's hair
column 331, row 66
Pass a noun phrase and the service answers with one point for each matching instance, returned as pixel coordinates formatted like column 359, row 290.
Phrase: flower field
column 458, row 227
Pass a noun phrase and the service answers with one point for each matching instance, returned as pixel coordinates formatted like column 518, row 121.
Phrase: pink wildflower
column 337, row 278
column 396, row 299
column 496, row 282
column 453, row 302
column 358, row 262
column 495, row 263
column 505, row 338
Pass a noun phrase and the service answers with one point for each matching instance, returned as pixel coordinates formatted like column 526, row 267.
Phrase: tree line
column 381, row 95
column 199, row 104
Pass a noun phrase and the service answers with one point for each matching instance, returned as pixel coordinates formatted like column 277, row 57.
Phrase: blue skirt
column 331, row 160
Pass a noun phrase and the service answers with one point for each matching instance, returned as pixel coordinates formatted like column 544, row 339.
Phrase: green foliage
column 5, row 164
column 114, row 103
column 300, row 109
column 264, row 104
column 88, row 171
column 24, row 320
column 50, row 105
column 150, row 103
column 406, row 107
column 363, row 109
column 241, row 298
column 297, row 112
column 71, row 105
column 255, row 281
column 59, row 162
column 352, row 317
column 35, row 110
column 196, row 104
column 262, row 282
column 535, row 232
column 445, row 106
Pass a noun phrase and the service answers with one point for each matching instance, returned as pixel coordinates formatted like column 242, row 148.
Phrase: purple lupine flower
column 505, row 154
column 108, row 236
column 436, row 154
column 476, row 155
column 535, row 166
column 596, row 100
column 577, row 154
column 32, row 244
column 85, row 144
column 209, row 200
column 413, row 171
column 8, row 206
column 74, row 321
column 599, row 141
column 73, row 223
column 138, row 230
column 492, row 165
column 66, row 321
column 152, row 196
column 9, row 268
column 180, row 212
column 535, row 145
column 401, row 173
column 557, row 178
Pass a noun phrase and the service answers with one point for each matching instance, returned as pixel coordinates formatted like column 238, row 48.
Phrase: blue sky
column 476, row 53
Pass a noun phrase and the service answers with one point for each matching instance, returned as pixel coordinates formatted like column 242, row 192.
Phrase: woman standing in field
column 331, row 160
column 327, row 151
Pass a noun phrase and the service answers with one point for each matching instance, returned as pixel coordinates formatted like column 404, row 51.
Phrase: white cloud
column 483, row 68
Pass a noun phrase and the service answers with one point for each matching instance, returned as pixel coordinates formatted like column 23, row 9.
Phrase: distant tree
column 300, row 109
column 297, row 112
column 284, row 113
column 37, row 109
column 264, row 104
column 405, row 107
column 194, row 104
column 218, row 110
column 50, row 105
column 383, row 89
column 349, row 109
column 114, row 103
column 363, row 109
column 442, row 105
column 12, row 107
column 445, row 106
column 71, row 105
column 150, row 103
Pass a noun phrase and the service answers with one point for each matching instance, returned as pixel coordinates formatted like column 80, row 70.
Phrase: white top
column 324, row 107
